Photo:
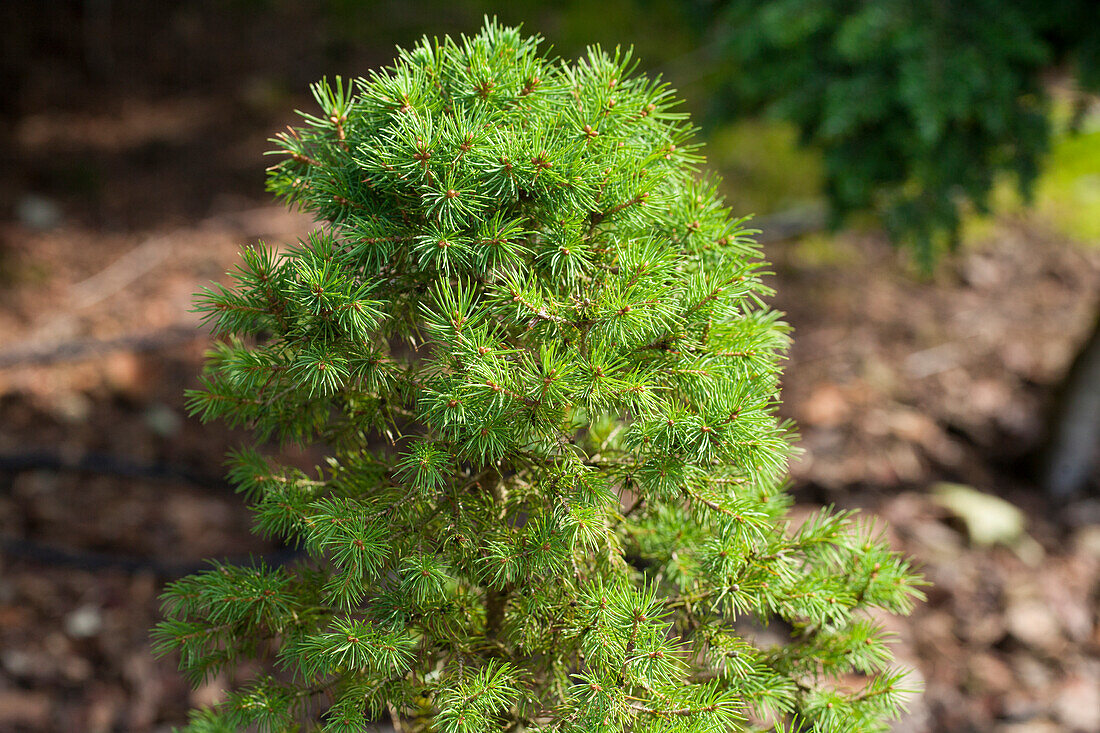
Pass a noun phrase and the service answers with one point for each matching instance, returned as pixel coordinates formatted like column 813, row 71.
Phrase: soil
column 127, row 187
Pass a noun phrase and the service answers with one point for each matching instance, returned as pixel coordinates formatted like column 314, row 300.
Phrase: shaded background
column 131, row 173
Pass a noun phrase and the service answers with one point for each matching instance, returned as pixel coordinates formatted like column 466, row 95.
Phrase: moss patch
column 1068, row 193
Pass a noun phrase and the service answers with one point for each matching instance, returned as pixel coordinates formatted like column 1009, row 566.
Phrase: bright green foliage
column 917, row 106
column 534, row 343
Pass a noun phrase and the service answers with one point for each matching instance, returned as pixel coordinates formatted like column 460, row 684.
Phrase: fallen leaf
column 989, row 520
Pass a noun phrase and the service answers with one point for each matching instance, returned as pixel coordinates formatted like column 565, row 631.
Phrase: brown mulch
column 898, row 384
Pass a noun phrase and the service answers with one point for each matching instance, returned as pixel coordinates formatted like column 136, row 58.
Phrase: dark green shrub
column 917, row 106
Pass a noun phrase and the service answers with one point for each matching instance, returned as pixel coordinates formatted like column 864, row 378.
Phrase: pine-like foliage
column 917, row 106
column 533, row 342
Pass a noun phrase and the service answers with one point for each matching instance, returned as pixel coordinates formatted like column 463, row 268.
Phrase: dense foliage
column 918, row 107
column 533, row 343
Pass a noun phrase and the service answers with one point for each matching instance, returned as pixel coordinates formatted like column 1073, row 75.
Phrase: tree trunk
column 1072, row 444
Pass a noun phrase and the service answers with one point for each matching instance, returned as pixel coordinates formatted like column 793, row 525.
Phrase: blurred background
column 927, row 183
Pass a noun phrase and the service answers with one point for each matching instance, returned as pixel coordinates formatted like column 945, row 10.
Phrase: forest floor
column 912, row 396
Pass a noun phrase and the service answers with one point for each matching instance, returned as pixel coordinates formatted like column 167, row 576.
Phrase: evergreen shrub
column 917, row 107
column 534, row 345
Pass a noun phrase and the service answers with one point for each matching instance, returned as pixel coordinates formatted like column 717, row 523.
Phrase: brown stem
column 495, row 602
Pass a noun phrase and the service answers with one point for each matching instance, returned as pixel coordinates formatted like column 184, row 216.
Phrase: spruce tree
column 534, row 344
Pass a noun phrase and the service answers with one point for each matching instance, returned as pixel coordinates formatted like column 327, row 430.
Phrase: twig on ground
column 88, row 348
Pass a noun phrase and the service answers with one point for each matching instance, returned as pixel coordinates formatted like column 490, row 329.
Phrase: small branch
column 707, row 502
column 681, row 712
column 299, row 158
column 639, row 199
column 638, row 617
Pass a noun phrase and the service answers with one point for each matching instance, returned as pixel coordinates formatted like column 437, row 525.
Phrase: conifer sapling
column 533, row 342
